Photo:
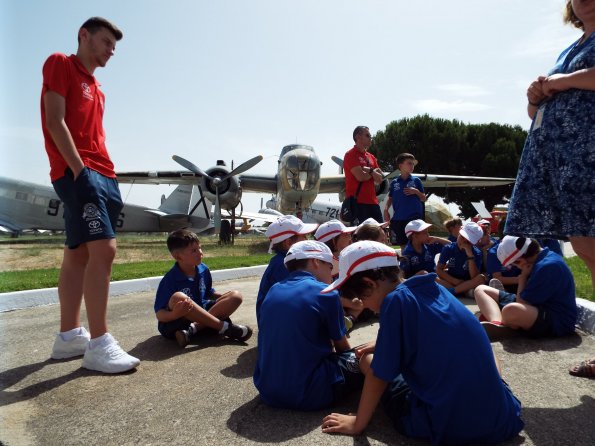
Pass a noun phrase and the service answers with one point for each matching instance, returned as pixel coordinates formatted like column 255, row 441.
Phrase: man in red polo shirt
column 83, row 176
column 360, row 166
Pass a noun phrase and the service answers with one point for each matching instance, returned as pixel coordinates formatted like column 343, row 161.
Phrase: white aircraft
column 29, row 206
column 295, row 185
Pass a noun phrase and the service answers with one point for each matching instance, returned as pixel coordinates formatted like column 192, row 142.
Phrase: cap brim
column 333, row 286
column 308, row 228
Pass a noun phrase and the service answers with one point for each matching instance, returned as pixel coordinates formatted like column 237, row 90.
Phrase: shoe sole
column 181, row 339
column 111, row 372
column 66, row 355
column 499, row 332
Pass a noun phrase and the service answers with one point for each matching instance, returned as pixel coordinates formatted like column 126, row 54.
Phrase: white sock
column 98, row 341
column 225, row 327
column 193, row 329
column 70, row 334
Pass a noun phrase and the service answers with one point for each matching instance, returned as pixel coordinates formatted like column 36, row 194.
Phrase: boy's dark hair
column 181, row 239
column 94, row 24
column 367, row 232
column 297, row 265
column 533, row 248
column 359, row 129
column 452, row 222
column 355, row 286
column 402, row 157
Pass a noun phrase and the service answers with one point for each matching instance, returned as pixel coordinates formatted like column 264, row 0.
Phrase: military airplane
column 296, row 184
column 29, row 206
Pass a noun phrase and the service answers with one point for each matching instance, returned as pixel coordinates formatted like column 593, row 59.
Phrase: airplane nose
column 303, row 180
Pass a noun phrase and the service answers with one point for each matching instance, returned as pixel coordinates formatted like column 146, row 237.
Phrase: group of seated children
column 305, row 361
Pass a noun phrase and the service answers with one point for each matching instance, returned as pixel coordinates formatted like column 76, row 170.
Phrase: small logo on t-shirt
column 87, row 91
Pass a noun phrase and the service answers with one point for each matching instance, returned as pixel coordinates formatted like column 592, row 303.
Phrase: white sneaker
column 69, row 349
column 108, row 357
column 495, row 283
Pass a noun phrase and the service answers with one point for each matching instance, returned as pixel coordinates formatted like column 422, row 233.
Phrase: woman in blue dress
column 554, row 194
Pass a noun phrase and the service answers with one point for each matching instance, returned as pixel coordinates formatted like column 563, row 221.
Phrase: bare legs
column 585, row 249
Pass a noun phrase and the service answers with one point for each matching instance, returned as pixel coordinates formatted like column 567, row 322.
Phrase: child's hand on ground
column 338, row 423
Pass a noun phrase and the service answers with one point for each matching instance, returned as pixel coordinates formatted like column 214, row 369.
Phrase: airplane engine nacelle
column 230, row 192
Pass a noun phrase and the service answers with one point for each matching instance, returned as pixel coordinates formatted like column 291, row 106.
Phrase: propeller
column 218, row 181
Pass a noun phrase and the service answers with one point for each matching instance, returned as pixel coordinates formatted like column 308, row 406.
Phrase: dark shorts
column 168, row 329
column 365, row 211
column 542, row 327
column 505, row 298
column 397, row 228
column 92, row 205
column 353, row 378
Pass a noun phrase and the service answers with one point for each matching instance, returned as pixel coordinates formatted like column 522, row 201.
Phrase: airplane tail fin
column 184, row 199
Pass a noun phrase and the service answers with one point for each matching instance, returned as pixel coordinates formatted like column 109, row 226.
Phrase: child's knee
column 236, row 296
column 177, row 297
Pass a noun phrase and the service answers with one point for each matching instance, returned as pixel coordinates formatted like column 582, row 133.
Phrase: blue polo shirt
column 406, row 207
column 455, row 260
column 414, row 261
column 550, row 286
column 443, row 353
column 493, row 264
column 198, row 288
column 295, row 369
column 275, row 272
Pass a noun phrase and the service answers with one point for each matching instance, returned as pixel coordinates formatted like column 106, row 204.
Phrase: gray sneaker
column 238, row 332
column 495, row 283
column 69, row 349
column 108, row 357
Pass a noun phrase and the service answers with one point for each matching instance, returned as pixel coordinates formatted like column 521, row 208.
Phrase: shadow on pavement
column 521, row 344
column 244, row 367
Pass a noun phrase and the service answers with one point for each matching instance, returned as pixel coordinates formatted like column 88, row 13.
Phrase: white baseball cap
column 472, row 232
column 309, row 249
column 483, row 221
column 508, row 252
column 362, row 256
column 331, row 229
column 371, row 221
column 416, row 226
column 288, row 226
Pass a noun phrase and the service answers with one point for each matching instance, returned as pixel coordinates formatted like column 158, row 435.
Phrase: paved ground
column 204, row 394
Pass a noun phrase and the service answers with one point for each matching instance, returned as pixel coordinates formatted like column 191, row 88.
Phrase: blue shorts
column 353, row 378
column 505, row 298
column 92, row 205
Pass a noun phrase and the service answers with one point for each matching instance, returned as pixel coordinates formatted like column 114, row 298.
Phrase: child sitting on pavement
column 283, row 233
column 297, row 367
column 453, row 226
column 419, row 255
column 337, row 236
column 544, row 304
column 429, row 391
column 186, row 302
column 460, row 262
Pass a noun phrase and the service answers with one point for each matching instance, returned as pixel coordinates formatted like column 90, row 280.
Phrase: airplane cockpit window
column 302, row 172
column 22, row 196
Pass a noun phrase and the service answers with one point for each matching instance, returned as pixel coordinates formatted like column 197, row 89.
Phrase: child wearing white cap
column 283, row 233
column 337, row 236
column 304, row 358
column 545, row 303
column 460, row 262
column 419, row 254
column 370, row 229
column 436, row 376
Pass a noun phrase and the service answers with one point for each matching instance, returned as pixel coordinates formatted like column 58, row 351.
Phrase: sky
column 232, row 79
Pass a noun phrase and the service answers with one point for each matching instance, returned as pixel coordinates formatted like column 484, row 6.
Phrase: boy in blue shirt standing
column 186, row 301
column 460, row 262
column 304, row 362
column 283, row 233
column 407, row 197
column 433, row 367
column 419, row 254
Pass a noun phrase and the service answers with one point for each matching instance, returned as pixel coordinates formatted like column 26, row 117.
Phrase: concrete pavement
column 204, row 394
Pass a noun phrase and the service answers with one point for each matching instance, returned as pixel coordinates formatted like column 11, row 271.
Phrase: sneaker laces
column 114, row 351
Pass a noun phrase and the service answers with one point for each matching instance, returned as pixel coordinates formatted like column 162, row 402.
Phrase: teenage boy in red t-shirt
column 83, row 176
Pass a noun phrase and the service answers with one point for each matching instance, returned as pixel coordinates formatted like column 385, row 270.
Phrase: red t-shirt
column 84, row 114
column 367, row 193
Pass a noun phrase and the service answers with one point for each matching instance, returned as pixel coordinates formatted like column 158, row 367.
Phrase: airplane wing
column 259, row 183
column 159, row 177
column 270, row 218
column 332, row 184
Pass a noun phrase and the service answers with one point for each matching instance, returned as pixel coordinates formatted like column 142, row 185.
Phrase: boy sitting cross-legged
column 186, row 302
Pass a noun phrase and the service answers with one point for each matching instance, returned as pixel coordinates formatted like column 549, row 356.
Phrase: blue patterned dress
column 554, row 193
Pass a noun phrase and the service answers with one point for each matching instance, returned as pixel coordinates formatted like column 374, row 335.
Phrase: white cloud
column 437, row 106
column 466, row 90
